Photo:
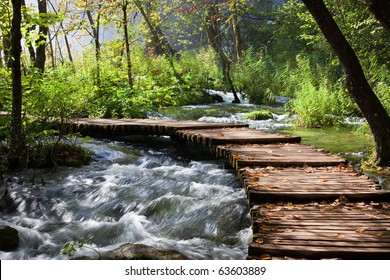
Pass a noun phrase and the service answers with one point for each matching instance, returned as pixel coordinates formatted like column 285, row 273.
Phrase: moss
column 259, row 115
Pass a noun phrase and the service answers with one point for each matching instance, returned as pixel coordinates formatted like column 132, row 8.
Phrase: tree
column 160, row 42
column 210, row 15
column 381, row 10
column 125, row 22
column 356, row 82
column 14, row 157
column 40, row 57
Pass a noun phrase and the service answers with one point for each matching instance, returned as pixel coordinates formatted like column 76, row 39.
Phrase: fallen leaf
column 379, row 234
column 340, row 235
column 289, row 204
column 324, row 180
column 259, row 241
column 265, row 257
column 285, row 180
column 265, row 228
column 360, row 229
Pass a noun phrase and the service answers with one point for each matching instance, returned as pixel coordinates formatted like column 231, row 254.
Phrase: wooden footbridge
column 304, row 202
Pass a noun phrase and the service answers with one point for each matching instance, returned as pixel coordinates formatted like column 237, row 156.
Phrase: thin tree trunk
column 52, row 54
column 127, row 44
column 161, row 43
column 212, row 32
column 65, row 34
column 30, row 47
column 16, row 141
column 96, row 37
column 356, row 82
column 60, row 51
column 236, row 31
column 40, row 57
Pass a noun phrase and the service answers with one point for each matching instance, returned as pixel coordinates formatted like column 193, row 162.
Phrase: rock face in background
column 9, row 238
column 136, row 252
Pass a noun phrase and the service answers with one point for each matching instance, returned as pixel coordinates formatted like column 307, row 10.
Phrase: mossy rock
column 136, row 252
column 259, row 115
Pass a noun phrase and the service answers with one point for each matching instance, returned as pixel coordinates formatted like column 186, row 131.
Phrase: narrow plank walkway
column 317, row 231
column 277, row 155
column 304, row 202
column 308, row 184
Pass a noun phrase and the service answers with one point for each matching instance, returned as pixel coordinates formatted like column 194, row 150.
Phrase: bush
column 259, row 115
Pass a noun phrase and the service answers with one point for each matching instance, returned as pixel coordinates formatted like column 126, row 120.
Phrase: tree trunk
column 236, row 31
column 64, row 31
column 95, row 33
column 40, row 56
column 356, row 82
column 30, row 47
column 381, row 11
column 215, row 41
column 162, row 45
column 127, row 44
column 16, row 141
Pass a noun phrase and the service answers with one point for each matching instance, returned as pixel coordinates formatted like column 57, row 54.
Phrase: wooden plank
column 235, row 135
column 337, row 230
column 277, row 155
column 319, row 252
column 122, row 127
column 302, row 197
column 309, row 184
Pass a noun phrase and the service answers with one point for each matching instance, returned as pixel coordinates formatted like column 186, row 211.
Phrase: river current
column 168, row 196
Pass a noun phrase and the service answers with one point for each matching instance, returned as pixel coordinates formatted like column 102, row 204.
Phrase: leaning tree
column 356, row 82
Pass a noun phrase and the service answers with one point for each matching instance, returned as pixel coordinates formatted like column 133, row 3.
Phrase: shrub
column 259, row 115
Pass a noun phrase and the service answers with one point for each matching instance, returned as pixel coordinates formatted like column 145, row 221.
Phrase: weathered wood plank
column 309, row 184
column 315, row 231
column 123, row 127
column 319, row 252
column 277, row 155
column 235, row 135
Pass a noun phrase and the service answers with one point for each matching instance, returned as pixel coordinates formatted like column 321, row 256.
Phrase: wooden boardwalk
column 304, row 202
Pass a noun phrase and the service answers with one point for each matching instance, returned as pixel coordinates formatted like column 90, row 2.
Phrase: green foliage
column 259, row 115
column 317, row 101
column 5, row 89
column 70, row 248
column 256, row 77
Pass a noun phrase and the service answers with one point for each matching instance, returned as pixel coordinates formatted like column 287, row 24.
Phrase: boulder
column 136, row 252
column 9, row 238
column 216, row 98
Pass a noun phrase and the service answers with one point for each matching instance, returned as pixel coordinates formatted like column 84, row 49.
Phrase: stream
column 153, row 191
column 161, row 196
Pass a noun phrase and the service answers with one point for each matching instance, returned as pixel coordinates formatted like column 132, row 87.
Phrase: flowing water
column 164, row 196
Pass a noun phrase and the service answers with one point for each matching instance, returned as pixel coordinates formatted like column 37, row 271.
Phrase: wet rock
column 136, row 252
column 9, row 238
column 216, row 98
